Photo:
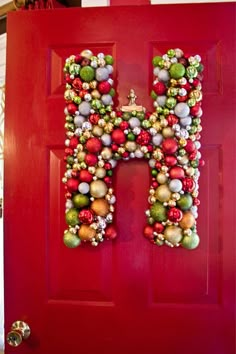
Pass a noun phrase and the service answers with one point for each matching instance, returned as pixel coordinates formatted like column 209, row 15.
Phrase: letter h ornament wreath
column 98, row 136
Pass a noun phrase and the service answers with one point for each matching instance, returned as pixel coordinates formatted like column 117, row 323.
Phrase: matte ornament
column 187, row 221
column 72, row 217
column 100, row 207
column 71, row 240
column 177, row 71
column 94, row 145
column 190, row 242
column 173, row 234
column 158, row 212
column 163, row 193
column 80, row 200
column 86, row 233
column 98, row 189
column 110, row 233
column 87, row 73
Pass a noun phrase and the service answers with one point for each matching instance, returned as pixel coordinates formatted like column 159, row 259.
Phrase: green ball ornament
column 81, row 200
column 185, row 202
column 72, row 217
column 154, row 173
column 71, row 240
column 112, row 92
column 153, row 95
column 131, row 137
column 146, row 124
column 126, row 116
column 140, row 115
column 177, row 71
column 171, row 102
column 158, row 212
column 171, row 53
column 109, row 59
column 191, row 242
column 157, row 61
column 70, row 160
column 87, row 73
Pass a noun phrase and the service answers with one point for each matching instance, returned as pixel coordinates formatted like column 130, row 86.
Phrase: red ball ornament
column 72, row 108
column 77, row 83
column 94, row 118
column 181, row 98
column 196, row 201
column 195, row 110
column 91, row 159
column 193, row 155
column 72, row 185
column 186, row 86
column 86, row 216
column 73, row 142
column 118, row 136
column 176, row 172
column 154, row 184
column 148, row 232
column 104, row 87
column 68, row 79
column 107, row 166
column 110, row 232
column 169, row 146
column 114, row 147
column 170, row 160
column 172, row 119
column 158, row 227
column 158, row 165
column 74, row 174
column 125, row 154
column 124, row 125
column 107, row 180
column 85, row 176
column 69, row 151
column 188, row 184
column 78, row 58
column 82, row 93
column 144, row 138
column 94, row 145
column 159, row 88
column 190, row 146
column 150, row 148
column 175, row 214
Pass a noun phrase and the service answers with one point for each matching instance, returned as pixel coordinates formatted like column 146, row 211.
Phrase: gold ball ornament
column 163, row 194
column 161, row 178
column 131, row 146
column 98, row 189
column 100, row 172
column 97, row 131
column 187, row 220
column 100, row 207
column 86, row 53
column 93, row 84
column 168, row 132
column 173, row 234
column 95, row 94
column 86, row 233
column 106, row 153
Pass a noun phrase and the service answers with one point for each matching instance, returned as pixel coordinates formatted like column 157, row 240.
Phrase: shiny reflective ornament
column 163, row 194
column 100, row 207
column 173, row 234
column 98, row 189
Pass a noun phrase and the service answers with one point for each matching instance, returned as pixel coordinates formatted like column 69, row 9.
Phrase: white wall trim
column 156, row 2
column 3, row 45
column 94, row 3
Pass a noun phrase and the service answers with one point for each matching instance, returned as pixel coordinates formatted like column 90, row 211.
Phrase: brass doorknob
column 19, row 331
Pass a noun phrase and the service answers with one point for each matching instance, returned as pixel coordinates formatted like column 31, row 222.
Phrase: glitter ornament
column 86, row 216
column 71, row 240
column 173, row 234
column 87, row 73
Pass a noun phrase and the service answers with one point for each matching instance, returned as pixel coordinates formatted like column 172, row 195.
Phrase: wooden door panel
column 128, row 295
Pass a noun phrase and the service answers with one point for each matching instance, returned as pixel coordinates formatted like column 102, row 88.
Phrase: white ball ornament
column 182, row 110
column 156, row 71
column 175, row 185
column 79, row 120
column 139, row 154
column 106, row 139
column 157, row 139
column 84, row 108
column 152, row 163
column 134, row 122
column 163, row 75
column 83, row 188
column 161, row 100
column 106, row 100
column 109, row 68
column 102, row 74
column 186, row 121
column 113, row 163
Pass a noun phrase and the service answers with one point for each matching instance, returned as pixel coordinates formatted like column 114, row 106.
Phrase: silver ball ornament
column 175, row 185
column 83, row 188
column 102, row 74
column 163, row 75
column 84, row 108
column 182, row 110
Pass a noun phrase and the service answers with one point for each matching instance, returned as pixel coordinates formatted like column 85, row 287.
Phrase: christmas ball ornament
column 118, row 136
column 159, row 88
column 161, row 100
column 86, row 233
column 71, row 240
column 86, row 53
column 83, row 188
column 71, row 108
column 163, row 194
column 110, row 232
column 161, row 178
column 98, row 189
column 168, row 132
column 97, row 131
column 158, row 227
column 157, row 139
column 86, row 216
column 175, row 185
column 72, row 217
column 134, row 122
column 187, row 220
column 130, row 146
column 188, row 184
column 190, row 146
column 182, row 110
column 104, row 87
column 170, row 160
column 87, row 73
column 85, row 176
column 148, row 232
column 93, row 145
column 158, row 212
column 102, row 74
column 176, row 172
column 169, row 146
column 91, row 159
column 106, row 139
column 191, row 242
column 173, row 234
column 174, row 214
column 80, row 200
column 79, row 120
column 106, row 100
column 186, row 121
column 100, row 172
column 177, row 71
column 106, row 153
column 72, row 185
column 163, row 75
column 157, row 60
column 109, row 59
column 185, row 201
column 84, row 108
column 100, row 207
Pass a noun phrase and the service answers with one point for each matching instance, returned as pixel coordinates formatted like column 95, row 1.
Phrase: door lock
column 19, row 332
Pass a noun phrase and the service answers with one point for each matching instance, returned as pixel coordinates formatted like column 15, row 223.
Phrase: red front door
column 127, row 296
